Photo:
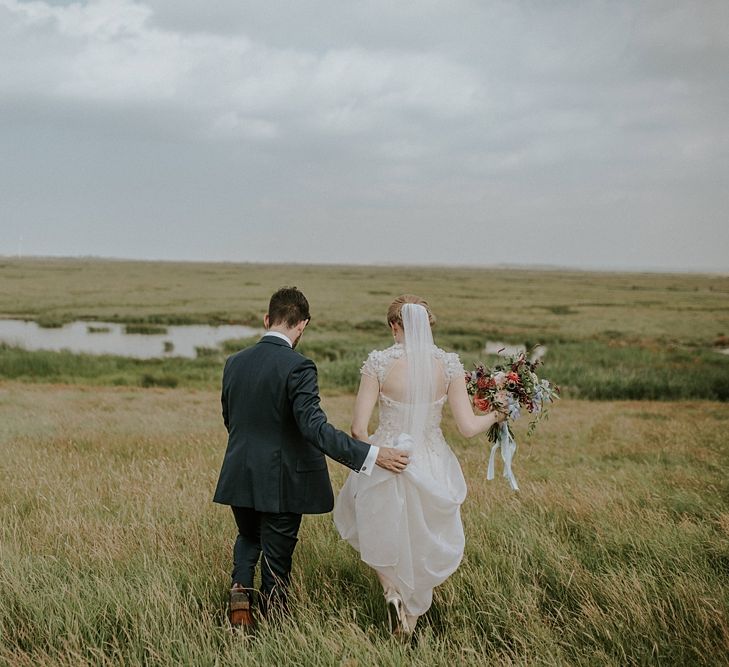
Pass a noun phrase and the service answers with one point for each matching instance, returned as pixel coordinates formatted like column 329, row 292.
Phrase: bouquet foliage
column 512, row 385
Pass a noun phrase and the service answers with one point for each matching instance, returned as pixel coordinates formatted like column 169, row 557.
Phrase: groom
column 274, row 468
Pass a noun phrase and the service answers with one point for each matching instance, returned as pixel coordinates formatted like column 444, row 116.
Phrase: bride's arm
column 369, row 390
column 469, row 424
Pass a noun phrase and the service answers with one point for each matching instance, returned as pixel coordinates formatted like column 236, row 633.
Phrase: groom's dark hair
column 288, row 306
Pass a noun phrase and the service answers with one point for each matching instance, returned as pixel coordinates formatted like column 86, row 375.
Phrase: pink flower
column 502, row 398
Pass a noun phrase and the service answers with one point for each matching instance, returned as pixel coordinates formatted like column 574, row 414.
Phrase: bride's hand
column 392, row 459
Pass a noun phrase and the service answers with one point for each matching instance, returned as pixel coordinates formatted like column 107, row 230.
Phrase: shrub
column 145, row 329
column 149, row 380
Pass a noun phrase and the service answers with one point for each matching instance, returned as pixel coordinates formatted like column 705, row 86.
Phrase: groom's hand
column 392, row 459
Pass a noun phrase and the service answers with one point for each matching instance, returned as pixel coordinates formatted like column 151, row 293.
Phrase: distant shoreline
column 552, row 268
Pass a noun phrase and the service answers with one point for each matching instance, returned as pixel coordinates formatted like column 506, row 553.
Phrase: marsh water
column 112, row 338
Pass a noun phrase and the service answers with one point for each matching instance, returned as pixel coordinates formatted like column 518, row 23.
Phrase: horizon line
column 394, row 265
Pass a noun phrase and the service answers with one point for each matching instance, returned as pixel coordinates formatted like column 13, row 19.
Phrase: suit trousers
column 273, row 534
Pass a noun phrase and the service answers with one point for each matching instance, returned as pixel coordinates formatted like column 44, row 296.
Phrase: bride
column 407, row 527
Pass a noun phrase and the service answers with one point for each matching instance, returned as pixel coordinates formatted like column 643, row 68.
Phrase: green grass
column 145, row 329
column 515, row 304
column 70, row 368
column 609, row 335
column 615, row 552
column 589, row 369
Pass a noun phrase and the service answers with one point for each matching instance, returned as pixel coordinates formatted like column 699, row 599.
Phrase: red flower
column 482, row 404
column 483, row 382
column 514, row 377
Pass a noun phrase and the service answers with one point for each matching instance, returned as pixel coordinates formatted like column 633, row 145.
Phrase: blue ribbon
column 507, row 445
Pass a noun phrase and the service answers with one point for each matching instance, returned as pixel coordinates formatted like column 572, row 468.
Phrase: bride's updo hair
column 394, row 312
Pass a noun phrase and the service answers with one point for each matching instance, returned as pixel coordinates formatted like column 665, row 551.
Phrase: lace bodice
column 377, row 366
column 378, row 362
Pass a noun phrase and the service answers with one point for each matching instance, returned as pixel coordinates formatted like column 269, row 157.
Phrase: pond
column 118, row 339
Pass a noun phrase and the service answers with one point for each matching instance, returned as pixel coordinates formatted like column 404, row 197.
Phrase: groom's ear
column 266, row 321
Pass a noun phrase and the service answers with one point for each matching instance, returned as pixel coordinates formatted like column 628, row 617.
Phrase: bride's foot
column 397, row 618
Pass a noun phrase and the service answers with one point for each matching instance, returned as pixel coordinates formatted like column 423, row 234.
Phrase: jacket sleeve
column 303, row 391
column 224, row 401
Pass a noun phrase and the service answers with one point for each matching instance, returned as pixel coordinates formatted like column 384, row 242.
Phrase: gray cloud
column 576, row 133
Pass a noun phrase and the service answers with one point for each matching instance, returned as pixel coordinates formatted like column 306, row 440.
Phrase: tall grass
column 590, row 369
column 615, row 552
column 521, row 304
column 67, row 367
column 609, row 336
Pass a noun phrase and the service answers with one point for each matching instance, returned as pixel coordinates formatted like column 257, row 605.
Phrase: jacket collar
column 275, row 340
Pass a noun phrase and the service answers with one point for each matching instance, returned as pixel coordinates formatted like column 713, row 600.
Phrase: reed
column 142, row 328
column 608, row 335
column 591, row 369
column 615, row 552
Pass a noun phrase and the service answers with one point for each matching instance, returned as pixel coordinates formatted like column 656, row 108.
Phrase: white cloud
column 109, row 51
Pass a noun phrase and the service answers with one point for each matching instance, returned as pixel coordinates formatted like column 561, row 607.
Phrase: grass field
column 609, row 336
column 614, row 552
column 546, row 305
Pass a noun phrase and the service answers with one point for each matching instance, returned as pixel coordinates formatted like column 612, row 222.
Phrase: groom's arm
column 303, row 391
column 224, row 398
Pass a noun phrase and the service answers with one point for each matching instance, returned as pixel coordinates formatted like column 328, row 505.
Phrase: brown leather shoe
column 241, row 612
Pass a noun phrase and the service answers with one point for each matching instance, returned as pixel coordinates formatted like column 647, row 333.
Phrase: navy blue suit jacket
column 278, row 434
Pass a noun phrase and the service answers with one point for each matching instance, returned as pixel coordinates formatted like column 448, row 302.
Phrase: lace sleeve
column 453, row 366
column 373, row 365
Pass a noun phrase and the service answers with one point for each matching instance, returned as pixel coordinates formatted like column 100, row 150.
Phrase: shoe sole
column 241, row 614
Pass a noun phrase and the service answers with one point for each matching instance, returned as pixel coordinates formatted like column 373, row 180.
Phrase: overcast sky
column 590, row 134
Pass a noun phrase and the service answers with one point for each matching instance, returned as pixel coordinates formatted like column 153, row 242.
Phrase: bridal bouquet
column 513, row 385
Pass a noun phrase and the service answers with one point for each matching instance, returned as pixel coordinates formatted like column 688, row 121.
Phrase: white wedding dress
column 408, row 526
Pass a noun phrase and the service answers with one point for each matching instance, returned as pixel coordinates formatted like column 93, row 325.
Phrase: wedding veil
column 421, row 368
